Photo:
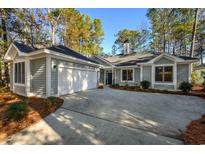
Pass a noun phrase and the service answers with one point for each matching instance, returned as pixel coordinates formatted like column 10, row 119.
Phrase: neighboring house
column 52, row 71
column 163, row 71
column 58, row 70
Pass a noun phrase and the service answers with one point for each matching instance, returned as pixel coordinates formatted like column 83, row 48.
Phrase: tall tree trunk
column 5, row 39
column 194, row 32
column 164, row 48
column 174, row 43
column 53, row 35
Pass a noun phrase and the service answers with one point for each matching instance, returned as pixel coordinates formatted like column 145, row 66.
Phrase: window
column 20, row 73
column 164, row 74
column 127, row 75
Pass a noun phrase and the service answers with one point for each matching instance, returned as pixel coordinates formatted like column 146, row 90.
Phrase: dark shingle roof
column 23, row 48
column 139, row 60
column 187, row 58
column 69, row 52
column 60, row 49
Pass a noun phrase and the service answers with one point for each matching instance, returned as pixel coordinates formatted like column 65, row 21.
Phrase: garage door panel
column 73, row 80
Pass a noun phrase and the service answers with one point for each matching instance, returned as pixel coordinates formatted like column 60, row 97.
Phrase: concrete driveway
column 107, row 116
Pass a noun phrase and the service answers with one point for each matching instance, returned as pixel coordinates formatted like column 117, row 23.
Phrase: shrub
column 195, row 77
column 145, row 84
column 203, row 85
column 52, row 99
column 17, row 111
column 185, row 86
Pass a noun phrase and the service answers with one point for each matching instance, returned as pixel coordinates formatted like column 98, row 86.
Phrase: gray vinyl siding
column 102, row 75
column 54, row 72
column 182, row 73
column 157, row 86
column 38, row 76
column 164, row 61
column 11, row 76
column 21, row 90
column 147, row 73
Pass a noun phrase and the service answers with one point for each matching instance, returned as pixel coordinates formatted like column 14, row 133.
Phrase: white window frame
column 14, row 70
column 164, row 65
column 132, row 75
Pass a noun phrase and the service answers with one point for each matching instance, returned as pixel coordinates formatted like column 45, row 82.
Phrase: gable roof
column 138, row 58
column 69, row 52
column 59, row 49
column 23, row 48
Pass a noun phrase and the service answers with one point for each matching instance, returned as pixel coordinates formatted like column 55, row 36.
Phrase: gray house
column 162, row 70
column 58, row 70
column 52, row 71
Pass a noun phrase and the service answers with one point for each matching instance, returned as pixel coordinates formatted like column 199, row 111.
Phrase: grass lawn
column 37, row 109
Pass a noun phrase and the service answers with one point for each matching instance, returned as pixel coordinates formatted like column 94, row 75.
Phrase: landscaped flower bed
column 138, row 89
column 195, row 133
column 36, row 109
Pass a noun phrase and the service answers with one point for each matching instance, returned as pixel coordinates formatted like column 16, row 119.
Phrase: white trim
column 19, row 84
column 78, row 68
column 141, row 73
column 14, row 75
column 48, row 75
column 133, row 74
column 27, row 76
column 153, row 75
column 131, row 66
column 106, row 61
column 189, row 72
column 175, row 76
column 171, row 57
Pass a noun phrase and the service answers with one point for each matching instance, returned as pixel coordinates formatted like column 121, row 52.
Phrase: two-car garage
column 73, row 79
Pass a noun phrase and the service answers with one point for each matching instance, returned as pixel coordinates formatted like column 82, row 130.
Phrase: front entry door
column 109, row 78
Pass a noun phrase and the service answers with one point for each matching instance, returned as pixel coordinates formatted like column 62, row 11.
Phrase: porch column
column 48, row 75
column 153, row 76
column 27, row 76
column 141, row 75
column 112, row 75
column 175, row 76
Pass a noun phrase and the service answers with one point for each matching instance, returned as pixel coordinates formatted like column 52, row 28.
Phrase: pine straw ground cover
column 38, row 108
column 195, row 132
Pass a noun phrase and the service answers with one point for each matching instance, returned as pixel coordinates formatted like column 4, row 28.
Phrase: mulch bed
column 38, row 108
column 138, row 89
column 195, row 132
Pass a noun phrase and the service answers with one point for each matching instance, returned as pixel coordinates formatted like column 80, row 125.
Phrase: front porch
column 108, row 76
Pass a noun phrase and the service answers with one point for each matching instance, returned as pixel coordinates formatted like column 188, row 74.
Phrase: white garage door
column 74, row 79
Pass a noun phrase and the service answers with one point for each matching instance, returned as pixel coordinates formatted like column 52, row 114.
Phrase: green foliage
column 195, row 76
column 136, row 38
column 52, row 99
column 203, row 86
column 81, row 33
column 185, row 86
column 17, row 111
column 145, row 84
